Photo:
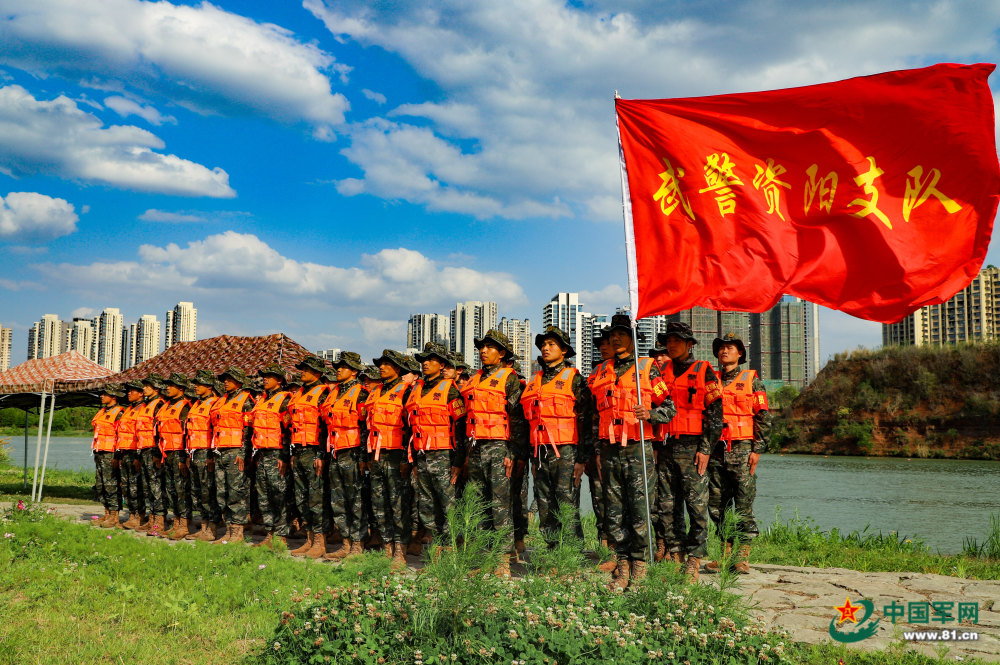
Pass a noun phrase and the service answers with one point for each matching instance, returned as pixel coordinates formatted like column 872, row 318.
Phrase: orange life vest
column 304, row 413
column 145, row 431
column 105, row 424
column 170, row 427
column 739, row 406
column 228, row 420
column 266, row 418
column 385, row 419
column 617, row 398
column 486, row 406
column 341, row 415
column 688, row 391
column 199, row 424
column 660, row 432
column 550, row 409
column 430, row 416
column 126, row 429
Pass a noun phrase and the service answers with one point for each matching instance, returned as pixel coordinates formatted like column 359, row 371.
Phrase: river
column 940, row 501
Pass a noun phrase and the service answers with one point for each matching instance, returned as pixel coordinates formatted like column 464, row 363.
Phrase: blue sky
column 327, row 168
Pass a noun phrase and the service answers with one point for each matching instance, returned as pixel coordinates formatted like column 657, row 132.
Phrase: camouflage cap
column 329, row 375
column 219, row 387
column 114, row 389
column 602, row 336
column 313, row 363
column 134, row 384
column 350, row 359
column 395, row 357
column 658, row 349
column 371, row 373
column 412, row 365
column 155, row 380
column 190, row 393
column 255, row 384
column 204, row 378
column 730, row 338
column 516, row 366
column 275, row 370
column 434, row 350
column 623, row 322
column 293, row 384
column 458, row 360
column 678, row 329
column 234, row 373
column 178, row 380
column 558, row 335
column 499, row 339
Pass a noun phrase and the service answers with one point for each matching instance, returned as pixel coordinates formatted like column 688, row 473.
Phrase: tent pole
column 25, row 449
column 38, row 445
column 48, row 437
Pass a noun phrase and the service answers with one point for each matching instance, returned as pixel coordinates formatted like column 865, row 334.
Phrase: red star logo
column 847, row 611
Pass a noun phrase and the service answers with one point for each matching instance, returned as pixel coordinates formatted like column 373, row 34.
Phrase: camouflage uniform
column 389, row 475
column 232, row 486
column 152, row 466
column 203, row 498
column 312, row 493
column 107, row 478
column 271, row 486
column 346, row 477
column 131, row 478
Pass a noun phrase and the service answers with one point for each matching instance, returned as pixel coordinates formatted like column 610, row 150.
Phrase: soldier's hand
column 183, row 468
column 116, row 464
column 158, row 463
column 508, row 465
column 210, row 463
column 404, row 469
column 701, row 463
column 362, row 466
column 454, row 474
column 641, row 412
column 137, row 464
column 578, row 473
column 597, row 463
column 282, row 468
column 239, row 463
column 519, row 467
column 752, row 463
column 318, row 466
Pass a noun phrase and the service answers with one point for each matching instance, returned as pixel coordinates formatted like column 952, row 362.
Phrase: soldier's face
column 729, row 354
column 309, row 376
column 552, row 351
column 107, row 400
column 271, row 382
column 490, row 354
column 173, row 392
column 449, row 372
column 678, row 348
column 605, row 348
column 134, row 395
column 231, row 384
column 345, row 373
column 621, row 341
column 660, row 359
column 148, row 390
column 432, row 367
column 201, row 390
column 388, row 371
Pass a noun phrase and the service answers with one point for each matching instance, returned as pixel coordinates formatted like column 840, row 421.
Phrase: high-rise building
column 423, row 328
column 46, row 338
column 971, row 315
column 143, row 340
column 777, row 343
column 587, row 354
column 519, row 334
column 181, row 324
column 471, row 319
column 110, row 329
column 565, row 312
column 810, row 323
column 329, row 355
column 83, row 338
column 6, row 335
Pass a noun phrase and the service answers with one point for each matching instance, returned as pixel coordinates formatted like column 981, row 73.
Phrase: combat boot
column 132, row 522
column 268, row 539
column 619, row 578
column 356, row 549
column 716, row 566
column 691, row 569
column 342, row 553
column 389, row 550
column 742, row 564
column 202, row 534
column 224, row 536
column 519, row 546
column 679, row 557
column 181, row 529
column 503, row 568
column 236, row 535
column 399, row 558
column 145, row 524
column 638, row 572
column 416, row 546
column 609, row 565
column 318, row 548
column 114, row 521
column 661, row 550
column 304, row 547
column 101, row 520
column 156, row 527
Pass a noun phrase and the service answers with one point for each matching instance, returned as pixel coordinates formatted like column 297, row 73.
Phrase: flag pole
column 633, row 291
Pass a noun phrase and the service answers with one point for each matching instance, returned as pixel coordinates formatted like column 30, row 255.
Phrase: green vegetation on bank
column 72, row 421
column 908, row 401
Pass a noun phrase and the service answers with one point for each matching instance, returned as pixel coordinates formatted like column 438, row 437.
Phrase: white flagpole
column 633, row 292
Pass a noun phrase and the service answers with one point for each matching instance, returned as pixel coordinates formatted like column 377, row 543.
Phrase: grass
column 61, row 486
column 33, row 431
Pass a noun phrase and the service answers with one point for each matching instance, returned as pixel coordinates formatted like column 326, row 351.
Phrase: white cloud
column 165, row 216
column 126, row 107
column 524, row 123
column 57, row 137
column 32, row 216
column 378, row 332
column 84, row 313
column 604, row 301
column 202, row 58
column 376, row 97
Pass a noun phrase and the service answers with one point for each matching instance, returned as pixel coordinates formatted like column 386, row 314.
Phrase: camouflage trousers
column 435, row 493
column 345, row 479
column 554, row 487
column 106, row 479
column 232, row 487
column 519, row 501
column 132, row 484
column 487, row 471
column 668, row 507
column 309, row 490
column 387, row 495
column 596, row 496
column 203, row 497
column 152, row 481
column 730, row 484
column 625, row 497
column 688, row 485
column 177, row 486
column 271, row 488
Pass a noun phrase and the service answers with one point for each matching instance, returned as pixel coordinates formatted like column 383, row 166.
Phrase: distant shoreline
column 33, row 432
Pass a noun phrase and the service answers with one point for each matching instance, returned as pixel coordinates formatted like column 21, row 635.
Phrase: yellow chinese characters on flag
column 734, row 200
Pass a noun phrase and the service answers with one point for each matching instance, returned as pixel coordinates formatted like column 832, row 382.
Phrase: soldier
column 126, row 445
column 231, row 437
column 201, row 458
column 344, row 415
column 151, row 464
column 624, row 459
column 667, row 509
column 308, row 455
column 106, row 458
column 370, row 378
column 559, row 410
column 176, row 474
column 389, row 455
column 694, row 388
column 435, row 411
column 518, row 486
column 271, row 445
column 496, row 433
column 732, row 468
column 462, row 374
column 593, row 470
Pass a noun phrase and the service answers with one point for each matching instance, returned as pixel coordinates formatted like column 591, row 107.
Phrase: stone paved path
column 801, row 600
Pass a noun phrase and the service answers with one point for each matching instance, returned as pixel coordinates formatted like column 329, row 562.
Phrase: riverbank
column 13, row 433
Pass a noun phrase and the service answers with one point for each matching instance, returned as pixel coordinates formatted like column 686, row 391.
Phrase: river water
column 940, row 501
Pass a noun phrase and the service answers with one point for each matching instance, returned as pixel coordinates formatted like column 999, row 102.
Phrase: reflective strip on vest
column 106, row 429
column 341, row 415
column 430, row 416
column 169, row 426
column 145, row 431
column 304, row 413
column 738, row 406
column 199, row 424
column 486, row 406
column 688, row 391
column 126, row 429
column 550, row 409
column 385, row 419
column 266, row 420
column 617, row 398
column 228, row 421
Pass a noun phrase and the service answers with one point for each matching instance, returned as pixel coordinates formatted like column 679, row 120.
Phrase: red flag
column 875, row 195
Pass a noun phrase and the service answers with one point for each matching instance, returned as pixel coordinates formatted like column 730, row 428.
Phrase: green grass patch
column 61, row 486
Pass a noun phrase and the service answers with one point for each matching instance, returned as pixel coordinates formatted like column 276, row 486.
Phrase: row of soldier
column 357, row 455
